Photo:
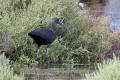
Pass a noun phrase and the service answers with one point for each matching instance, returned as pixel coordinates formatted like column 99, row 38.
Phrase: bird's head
column 57, row 21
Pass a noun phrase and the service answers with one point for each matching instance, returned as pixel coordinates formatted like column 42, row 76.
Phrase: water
column 56, row 72
column 113, row 9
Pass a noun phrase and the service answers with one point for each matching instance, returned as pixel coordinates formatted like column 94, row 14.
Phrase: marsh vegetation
column 89, row 36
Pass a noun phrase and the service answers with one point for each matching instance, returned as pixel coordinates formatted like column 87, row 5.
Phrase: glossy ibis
column 44, row 36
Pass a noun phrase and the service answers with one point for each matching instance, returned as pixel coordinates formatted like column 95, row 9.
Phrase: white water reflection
column 53, row 72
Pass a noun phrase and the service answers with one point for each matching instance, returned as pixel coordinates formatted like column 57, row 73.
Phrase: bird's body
column 42, row 36
column 81, row 5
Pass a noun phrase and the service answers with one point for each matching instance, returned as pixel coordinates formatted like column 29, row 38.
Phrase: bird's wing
column 44, row 34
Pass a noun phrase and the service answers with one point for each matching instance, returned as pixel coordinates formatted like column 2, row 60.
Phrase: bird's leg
column 37, row 53
column 47, row 53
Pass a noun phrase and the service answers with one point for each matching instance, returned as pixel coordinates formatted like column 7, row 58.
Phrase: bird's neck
column 54, row 27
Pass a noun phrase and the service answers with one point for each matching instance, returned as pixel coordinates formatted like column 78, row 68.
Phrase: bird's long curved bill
column 65, row 27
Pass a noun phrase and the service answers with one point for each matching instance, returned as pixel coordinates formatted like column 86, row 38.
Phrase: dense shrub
column 89, row 37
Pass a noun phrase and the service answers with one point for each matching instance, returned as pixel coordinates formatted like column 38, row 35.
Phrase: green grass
column 109, row 70
column 7, row 73
column 89, row 37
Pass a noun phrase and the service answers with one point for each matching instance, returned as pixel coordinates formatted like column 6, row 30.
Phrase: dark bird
column 44, row 36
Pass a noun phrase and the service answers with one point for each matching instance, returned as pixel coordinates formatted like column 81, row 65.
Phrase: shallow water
column 56, row 72
column 113, row 9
